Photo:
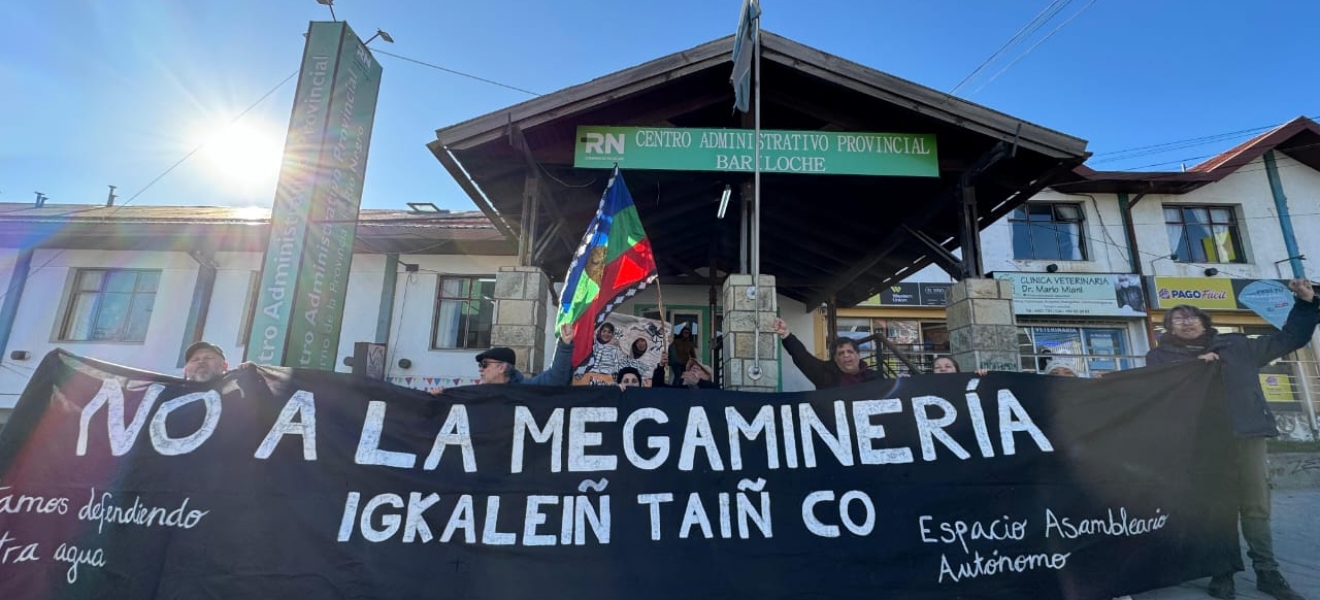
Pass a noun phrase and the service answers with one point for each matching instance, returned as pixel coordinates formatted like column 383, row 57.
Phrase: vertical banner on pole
column 313, row 222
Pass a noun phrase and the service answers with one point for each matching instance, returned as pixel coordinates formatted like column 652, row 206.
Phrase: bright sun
column 244, row 157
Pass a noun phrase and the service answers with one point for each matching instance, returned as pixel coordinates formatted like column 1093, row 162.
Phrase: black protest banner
column 281, row 483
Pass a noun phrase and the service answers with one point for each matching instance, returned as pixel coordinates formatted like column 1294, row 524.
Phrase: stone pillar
column 740, row 335
column 983, row 331
column 520, row 313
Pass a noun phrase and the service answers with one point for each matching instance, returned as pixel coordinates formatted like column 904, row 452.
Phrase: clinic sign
column 299, row 306
column 1076, row 294
column 733, row 150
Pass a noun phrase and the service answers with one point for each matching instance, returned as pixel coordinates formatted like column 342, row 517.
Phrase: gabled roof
column 845, row 236
column 614, row 87
column 1298, row 138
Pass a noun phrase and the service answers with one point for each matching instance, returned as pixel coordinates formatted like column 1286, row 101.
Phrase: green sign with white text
column 300, row 304
column 808, row 152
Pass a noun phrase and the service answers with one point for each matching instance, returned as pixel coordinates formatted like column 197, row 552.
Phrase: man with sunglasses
column 496, row 365
column 1189, row 335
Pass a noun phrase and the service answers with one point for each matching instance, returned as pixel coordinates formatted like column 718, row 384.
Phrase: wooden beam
column 972, row 266
column 929, row 210
column 519, row 142
column 450, row 163
column 543, row 242
column 939, row 255
column 821, row 111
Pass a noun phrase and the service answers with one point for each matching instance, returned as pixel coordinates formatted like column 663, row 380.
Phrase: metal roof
column 1298, row 138
column 221, row 228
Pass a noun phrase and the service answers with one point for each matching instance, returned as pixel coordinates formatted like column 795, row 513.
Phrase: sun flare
column 244, row 156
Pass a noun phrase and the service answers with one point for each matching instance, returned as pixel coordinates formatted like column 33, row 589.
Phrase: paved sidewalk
column 1296, row 543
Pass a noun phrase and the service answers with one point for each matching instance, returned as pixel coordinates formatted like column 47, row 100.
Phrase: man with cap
column 496, row 365
column 204, row 361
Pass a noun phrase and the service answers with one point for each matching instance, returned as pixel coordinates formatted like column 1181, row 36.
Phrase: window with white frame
column 1048, row 231
column 1203, row 234
column 464, row 312
column 112, row 305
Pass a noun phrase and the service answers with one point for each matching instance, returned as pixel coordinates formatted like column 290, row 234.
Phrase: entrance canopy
column 823, row 236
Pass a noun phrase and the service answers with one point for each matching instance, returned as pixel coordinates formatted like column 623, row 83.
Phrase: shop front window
column 1087, row 351
column 919, row 341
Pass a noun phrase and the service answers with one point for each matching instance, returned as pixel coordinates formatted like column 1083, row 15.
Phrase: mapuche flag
column 612, row 264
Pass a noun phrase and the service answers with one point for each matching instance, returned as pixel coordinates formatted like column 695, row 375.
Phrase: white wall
column 1301, row 185
column 414, row 312
column 39, row 313
column 366, row 278
column 1102, row 226
column 225, row 317
column 410, row 336
column 803, row 325
column 1248, row 191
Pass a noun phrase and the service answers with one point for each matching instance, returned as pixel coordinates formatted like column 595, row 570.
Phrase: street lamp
column 331, row 5
column 380, row 33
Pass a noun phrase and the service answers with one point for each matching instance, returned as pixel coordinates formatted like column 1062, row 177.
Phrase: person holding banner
column 496, row 364
column 846, row 368
column 204, row 361
column 1190, row 335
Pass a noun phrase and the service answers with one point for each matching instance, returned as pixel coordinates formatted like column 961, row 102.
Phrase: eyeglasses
column 1184, row 320
column 486, row 363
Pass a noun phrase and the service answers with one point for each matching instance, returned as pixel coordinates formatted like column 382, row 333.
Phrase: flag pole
column 755, row 371
column 664, row 336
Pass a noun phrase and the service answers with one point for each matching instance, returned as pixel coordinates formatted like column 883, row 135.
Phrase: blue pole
column 1285, row 220
column 195, row 327
column 9, row 311
column 385, row 315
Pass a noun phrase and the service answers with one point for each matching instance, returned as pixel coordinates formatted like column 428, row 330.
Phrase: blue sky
column 97, row 92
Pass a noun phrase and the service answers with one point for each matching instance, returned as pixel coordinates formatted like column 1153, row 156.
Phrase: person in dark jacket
column 846, row 368
column 1190, row 336
column 496, row 365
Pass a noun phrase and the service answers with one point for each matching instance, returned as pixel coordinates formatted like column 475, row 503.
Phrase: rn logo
column 603, row 143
